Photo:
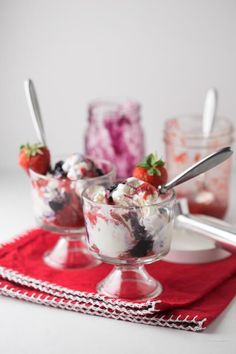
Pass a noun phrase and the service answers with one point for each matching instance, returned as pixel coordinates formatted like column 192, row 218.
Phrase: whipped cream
column 117, row 230
column 76, row 166
column 131, row 192
column 112, row 239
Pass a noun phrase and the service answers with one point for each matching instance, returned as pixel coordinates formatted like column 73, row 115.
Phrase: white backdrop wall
column 164, row 53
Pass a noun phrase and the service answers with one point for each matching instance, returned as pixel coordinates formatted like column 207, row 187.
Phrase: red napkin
column 193, row 296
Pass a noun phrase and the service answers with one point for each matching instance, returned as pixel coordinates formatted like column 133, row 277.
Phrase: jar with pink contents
column 114, row 132
column 208, row 193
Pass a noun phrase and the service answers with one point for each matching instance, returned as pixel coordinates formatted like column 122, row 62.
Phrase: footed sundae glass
column 129, row 237
column 57, row 206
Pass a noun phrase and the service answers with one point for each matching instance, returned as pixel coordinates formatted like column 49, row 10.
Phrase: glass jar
column 184, row 142
column 114, row 133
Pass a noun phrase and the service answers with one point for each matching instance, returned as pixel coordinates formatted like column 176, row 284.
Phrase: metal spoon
column 201, row 166
column 217, row 230
column 208, row 119
column 34, row 109
column 209, row 112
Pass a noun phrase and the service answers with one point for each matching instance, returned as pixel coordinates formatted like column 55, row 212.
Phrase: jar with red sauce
column 114, row 133
column 184, row 143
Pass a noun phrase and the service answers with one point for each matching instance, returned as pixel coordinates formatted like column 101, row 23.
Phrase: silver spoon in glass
column 209, row 113
column 198, row 168
column 204, row 195
column 34, row 109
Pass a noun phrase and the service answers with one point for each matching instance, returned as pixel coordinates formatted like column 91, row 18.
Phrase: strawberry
column 35, row 157
column 151, row 170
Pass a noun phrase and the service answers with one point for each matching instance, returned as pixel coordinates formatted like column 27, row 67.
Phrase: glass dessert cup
column 208, row 193
column 129, row 238
column 57, row 206
column 114, row 132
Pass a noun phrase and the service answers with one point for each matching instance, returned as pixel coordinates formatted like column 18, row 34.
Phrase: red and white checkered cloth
column 193, row 296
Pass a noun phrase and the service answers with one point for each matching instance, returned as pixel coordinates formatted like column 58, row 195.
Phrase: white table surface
column 32, row 329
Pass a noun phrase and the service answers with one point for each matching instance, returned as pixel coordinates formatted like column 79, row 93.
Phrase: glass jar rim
column 101, row 107
column 228, row 130
column 171, row 198
column 34, row 174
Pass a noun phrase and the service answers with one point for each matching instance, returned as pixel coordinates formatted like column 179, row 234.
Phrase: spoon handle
column 34, row 109
column 209, row 112
column 201, row 166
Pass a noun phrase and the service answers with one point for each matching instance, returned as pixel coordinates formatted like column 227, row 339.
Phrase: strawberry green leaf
column 153, row 172
column 153, row 159
column 159, row 163
column 32, row 150
column 151, row 164
column 142, row 164
column 149, row 159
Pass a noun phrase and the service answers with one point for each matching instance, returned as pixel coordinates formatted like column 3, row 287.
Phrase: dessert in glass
column 128, row 225
column 208, row 193
column 57, row 206
column 114, row 133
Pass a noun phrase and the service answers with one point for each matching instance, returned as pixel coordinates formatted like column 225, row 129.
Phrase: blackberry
column 58, row 170
column 99, row 172
column 142, row 248
column 109, row 192
column 57, row 204
column 138, row 230
column 112, row 187
column 145, row 241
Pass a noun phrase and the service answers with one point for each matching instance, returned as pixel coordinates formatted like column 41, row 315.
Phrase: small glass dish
column 58, row 208
column 129, row 237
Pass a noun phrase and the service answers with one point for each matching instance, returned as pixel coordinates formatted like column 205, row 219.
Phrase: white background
column 164, row 53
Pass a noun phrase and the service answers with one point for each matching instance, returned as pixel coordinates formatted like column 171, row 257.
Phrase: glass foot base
column 130, row 283
column 70, row 252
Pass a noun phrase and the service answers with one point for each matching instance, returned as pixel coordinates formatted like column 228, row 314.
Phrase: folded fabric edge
column 54, row 289
column 146, row 307
column 179, row 322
